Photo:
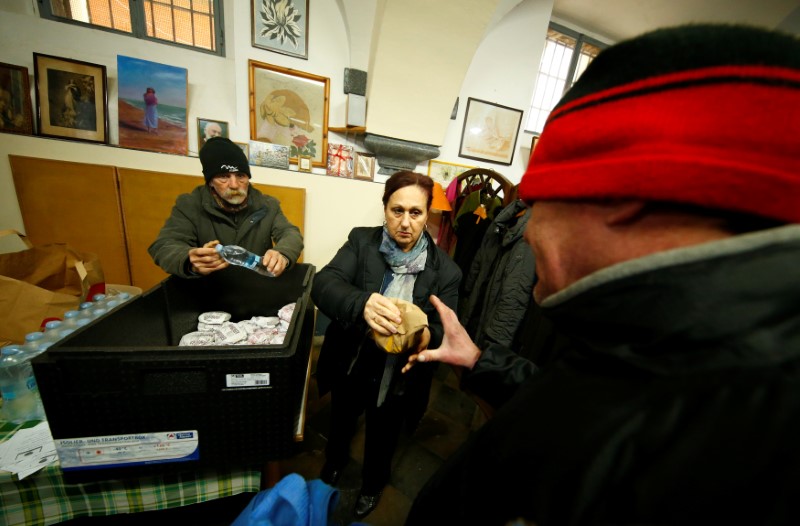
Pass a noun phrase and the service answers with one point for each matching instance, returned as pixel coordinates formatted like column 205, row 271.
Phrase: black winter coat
column 341, row 290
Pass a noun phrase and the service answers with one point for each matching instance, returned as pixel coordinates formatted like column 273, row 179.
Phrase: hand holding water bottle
column 206, row 259
column 272, row 264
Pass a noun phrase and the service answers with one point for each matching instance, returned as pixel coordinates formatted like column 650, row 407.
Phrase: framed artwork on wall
column 16, row 113
column 152, row 105
column 290, row 108
column 304, row 163
column 207, row 128
column 281, row 26
column 71, row 99
column 490, row 132
column 269, row 155
column 364, row 166
column 444, row 173
column 245, row 148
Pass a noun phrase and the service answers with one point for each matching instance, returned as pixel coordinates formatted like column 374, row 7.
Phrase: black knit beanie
column 221, row 155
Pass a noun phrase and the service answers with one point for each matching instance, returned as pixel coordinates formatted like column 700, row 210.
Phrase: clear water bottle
column 236, row 255
column 21, row 401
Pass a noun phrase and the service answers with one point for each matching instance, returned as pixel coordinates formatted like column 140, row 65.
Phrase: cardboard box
column 122, row 380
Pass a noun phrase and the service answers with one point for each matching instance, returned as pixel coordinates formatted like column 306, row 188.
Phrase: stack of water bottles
column 21, row 401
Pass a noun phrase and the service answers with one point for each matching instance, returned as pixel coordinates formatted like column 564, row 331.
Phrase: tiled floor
column 449, row 420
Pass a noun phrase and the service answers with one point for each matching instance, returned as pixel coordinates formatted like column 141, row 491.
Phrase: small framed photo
column 364, row 166
column 304, row 163
column 340, row 160
column 269, row 155
column 71, row 99
column 16, row 113
column 444, row 173
column 245, row 148
column 290, row 107
column 490, row 132
column 281, row 26
column 207, row 128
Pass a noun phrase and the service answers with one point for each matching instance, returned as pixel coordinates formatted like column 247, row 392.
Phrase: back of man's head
column 701, row 115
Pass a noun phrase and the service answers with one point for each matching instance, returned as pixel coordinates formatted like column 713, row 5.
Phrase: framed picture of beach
column 71, row 99
column 281, row 26
column 290, row 108
column 490, row 132
column 152, row 106
column 207, row 128
column 16, row 113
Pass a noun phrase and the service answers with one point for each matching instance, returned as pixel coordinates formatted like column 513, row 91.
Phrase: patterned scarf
column 226, row 206
column 405, row 266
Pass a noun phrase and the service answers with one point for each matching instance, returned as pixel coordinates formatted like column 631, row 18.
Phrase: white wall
column 503, row 71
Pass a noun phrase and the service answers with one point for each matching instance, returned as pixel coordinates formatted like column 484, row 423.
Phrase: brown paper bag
column 409, row 331
column 44, row 282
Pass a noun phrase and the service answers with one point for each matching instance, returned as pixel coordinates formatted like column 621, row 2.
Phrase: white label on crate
column 247, row 380
column 127, row 450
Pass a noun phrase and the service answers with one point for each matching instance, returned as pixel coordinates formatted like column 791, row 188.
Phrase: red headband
column 724, row 137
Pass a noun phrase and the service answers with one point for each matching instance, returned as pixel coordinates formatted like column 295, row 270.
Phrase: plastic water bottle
column 21, row 401
column 236, row 255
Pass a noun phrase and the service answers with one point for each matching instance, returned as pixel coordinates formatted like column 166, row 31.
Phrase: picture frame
column 245, row 148
column 71, row 99
column 281, row 26
column 207, row 128
column 16, row 112
column 364, row 167
column 269, row 155
column 290, row 108
column 152, row 104
column 340, row 160
column 490, row 132
column 444, row 172
column 304, row 163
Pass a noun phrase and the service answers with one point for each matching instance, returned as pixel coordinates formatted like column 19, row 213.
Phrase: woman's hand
column 382, row 315
column 456, row 348
column 206, row 259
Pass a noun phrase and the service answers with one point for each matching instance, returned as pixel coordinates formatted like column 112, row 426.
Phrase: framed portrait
column 290, row 108
column 281, row 26
column 490, row 132
column 71, row 99
column 444, row 173
column 245, row 148
column 16, row 113
column 152, row 105
column 364, row 166
column 207, row 128
column 269, row 155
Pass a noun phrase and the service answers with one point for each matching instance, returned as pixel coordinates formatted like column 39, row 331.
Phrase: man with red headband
column 666, row 196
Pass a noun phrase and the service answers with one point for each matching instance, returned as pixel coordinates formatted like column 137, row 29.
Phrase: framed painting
column 152, row 106
column 281, row 26
column 490, row 132
column 207, row 128
column 304, row 163
column 269, row 155
column 290, row 108
column 364, row 167
column 71, row 99
column 444, row 173
column 16, row 113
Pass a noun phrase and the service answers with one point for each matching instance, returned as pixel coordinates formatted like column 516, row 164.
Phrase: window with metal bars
column 196, row 24
column 559, row 69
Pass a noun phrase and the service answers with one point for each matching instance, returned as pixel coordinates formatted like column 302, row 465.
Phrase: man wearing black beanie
column 224, row 210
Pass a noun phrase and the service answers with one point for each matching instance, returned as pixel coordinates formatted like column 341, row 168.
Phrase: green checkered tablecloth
column 44, row 498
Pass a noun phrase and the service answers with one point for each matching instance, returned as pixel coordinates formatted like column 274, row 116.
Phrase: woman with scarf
column 398, row 260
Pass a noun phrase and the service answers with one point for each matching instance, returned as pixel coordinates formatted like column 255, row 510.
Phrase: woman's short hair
column 407, row 178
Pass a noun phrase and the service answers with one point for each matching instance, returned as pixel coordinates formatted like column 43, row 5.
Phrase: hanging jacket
column 498, row 288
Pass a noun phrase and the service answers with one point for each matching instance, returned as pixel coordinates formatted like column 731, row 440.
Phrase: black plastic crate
column 124, row 373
